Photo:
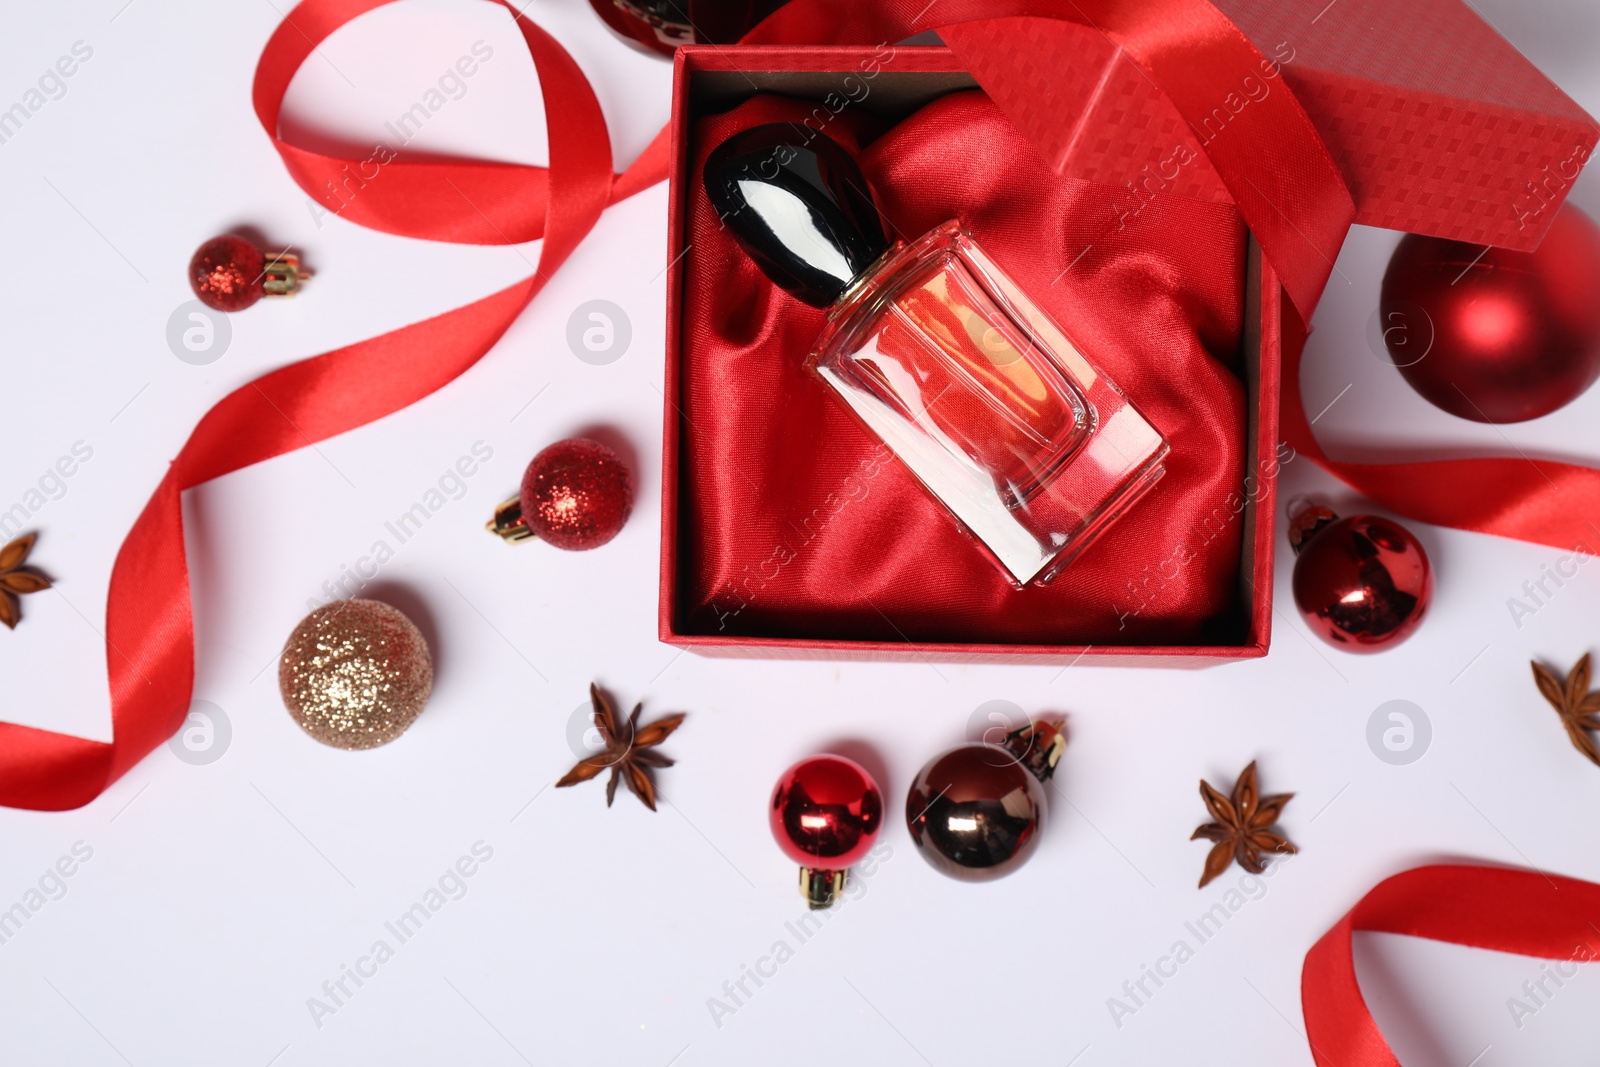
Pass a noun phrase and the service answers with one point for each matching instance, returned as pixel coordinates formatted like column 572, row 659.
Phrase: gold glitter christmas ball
column 355, row 673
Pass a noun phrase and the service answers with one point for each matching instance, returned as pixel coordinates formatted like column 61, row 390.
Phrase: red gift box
column 711, row 81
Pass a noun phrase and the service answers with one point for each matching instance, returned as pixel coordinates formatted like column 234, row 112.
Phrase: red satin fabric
column 791, row 527
column 1526, row 912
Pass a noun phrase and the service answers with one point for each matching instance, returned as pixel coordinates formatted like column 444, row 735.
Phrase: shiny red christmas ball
column 826, row 812
column 1492, row 335
column 227, row 272
column 576, row 494
column 1363, row 584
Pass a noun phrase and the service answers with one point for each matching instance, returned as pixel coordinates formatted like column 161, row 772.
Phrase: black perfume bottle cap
column 798, row 204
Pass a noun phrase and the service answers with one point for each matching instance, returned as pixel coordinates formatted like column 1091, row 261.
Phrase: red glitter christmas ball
column 228, row 273
column 1492, row 335
column 826, row 812
column 577, row 494
column 1363, row 583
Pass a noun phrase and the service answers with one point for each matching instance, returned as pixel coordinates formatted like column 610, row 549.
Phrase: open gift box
column 787, row 531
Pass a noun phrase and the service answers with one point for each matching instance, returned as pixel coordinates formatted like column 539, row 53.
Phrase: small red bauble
column 1363, row 584
column 576, row 495
column 229, row 273
column 826, row 812
column 1492, row 335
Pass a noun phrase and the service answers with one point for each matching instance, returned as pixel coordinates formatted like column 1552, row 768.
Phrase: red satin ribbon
column 1539, row 500
column 1525, row 912
column 149, row 627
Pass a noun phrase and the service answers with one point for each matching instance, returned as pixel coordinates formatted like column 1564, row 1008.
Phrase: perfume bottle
column 940, row 355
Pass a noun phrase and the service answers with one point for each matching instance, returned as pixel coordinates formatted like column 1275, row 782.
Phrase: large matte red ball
column 1492, row 335
column 826, row 812
column 577, row 494
column 1363, row 584
column 228, row 273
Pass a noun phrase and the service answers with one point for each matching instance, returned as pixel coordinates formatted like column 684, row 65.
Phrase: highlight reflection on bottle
column 941, row 355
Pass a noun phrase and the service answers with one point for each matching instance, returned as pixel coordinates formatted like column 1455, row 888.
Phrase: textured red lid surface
column 1437, row 123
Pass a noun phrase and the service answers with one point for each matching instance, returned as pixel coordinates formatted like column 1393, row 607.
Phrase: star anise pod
column 629, row 752
column 1579, row 708
column 1243, row 828
column 16, row 579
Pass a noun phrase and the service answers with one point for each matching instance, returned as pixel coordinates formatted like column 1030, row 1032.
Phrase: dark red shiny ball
column 975, row 812
column 577, row 494
column 660, row 26
column 826, row 812
column 1363, row 584
column 1492, row 335
column 227, row 273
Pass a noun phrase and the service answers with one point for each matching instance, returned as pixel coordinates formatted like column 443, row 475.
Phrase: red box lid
column 1437, row 123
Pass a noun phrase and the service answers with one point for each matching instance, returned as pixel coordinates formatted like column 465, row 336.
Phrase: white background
column 219, row 898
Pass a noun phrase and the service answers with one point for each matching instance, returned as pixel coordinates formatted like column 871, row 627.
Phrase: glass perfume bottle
column 941, row 355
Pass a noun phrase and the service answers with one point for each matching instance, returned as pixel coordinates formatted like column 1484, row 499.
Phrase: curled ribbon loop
column 149, row 625
column 1526, row 912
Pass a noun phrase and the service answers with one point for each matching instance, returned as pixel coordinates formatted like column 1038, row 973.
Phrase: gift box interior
column 787, row 529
